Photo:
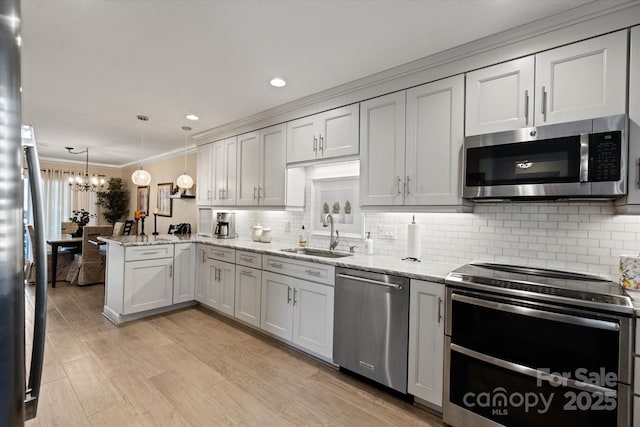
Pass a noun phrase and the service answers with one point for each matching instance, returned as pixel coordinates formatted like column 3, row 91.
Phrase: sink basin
column 317, row 252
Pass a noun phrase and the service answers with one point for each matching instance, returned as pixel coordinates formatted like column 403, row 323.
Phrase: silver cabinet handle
column 259, row 191
column 315, row 144
column 399, row 182
column 544, row 104
column 218, row 274
column 295, row 292
column 312, row 272
column 248, row 273
column 247, row 259
column 221, row 254
column 219, row 193
column 275, row 264
column 408, row 182
column 254, row 192
column 321, row 143
column 171, row 271
column 526, row 107
column 439, row 309
column 638, row 180
column 224, row 194
column 208, row 194
column 203, row 257
column 288, row 294
column 373, row 282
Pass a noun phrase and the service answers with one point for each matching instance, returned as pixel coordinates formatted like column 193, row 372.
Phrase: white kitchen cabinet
column 276, row 315
column 382, row 145
column 226, row 287
column 224, row 172
column 297, row 310
column 148, row 284
column 435, row 134
column 216, row 278
column 426, row 341
column 411, row 146
column 313, row 317
column 579, row 81
column 500, row 97
column 203, row 274
column 326, row 135
column 261, row 167
column 247, row 298
column 184, row 279
column 204, row 164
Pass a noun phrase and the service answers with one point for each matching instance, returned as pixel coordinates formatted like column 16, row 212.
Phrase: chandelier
column 85, row 182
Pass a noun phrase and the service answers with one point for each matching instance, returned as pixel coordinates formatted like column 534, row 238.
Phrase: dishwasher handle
column 373, row 282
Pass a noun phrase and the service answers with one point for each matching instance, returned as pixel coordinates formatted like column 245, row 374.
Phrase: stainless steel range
column 531, row 347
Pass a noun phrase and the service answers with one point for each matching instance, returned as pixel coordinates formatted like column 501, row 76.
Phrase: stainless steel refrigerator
column 18, row 398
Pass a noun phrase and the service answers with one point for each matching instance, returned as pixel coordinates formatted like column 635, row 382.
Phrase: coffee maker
column 225, row 225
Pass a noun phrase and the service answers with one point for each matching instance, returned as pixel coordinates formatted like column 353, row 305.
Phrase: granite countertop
column 431, row 271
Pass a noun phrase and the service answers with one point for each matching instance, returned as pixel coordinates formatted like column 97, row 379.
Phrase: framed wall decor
column 143, row 200
column 340, row 197
column 164, row 202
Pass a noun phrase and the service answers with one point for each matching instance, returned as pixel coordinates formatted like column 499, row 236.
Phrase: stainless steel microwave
column 582, row 159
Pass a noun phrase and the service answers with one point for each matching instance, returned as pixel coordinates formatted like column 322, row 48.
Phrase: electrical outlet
column 387, row 231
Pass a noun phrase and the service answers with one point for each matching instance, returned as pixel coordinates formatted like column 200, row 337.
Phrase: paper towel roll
column 414, row 241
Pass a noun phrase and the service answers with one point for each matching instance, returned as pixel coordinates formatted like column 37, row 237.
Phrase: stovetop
column 564, row 287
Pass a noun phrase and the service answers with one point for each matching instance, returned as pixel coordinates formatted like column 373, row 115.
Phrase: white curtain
column 60, row 201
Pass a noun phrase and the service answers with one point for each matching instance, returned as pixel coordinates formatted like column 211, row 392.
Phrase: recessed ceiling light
column 192, row 117
column 278, row 82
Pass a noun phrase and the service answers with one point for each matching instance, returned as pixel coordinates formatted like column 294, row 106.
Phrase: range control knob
column 532, row 133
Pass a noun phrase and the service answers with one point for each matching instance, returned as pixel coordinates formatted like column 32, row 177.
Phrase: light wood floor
column 190, row 368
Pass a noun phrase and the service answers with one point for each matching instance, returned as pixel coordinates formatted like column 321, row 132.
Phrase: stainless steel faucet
column 333, row 242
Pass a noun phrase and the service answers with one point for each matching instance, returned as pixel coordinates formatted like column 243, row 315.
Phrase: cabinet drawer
column 311, row 271
column 637, row 336
column 220, row 253
column 138, row 253
column 249, row 259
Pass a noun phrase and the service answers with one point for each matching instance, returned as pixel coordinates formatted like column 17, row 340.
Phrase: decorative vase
column 78, row 232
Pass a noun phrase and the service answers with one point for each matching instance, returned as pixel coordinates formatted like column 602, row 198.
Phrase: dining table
column 57, row 242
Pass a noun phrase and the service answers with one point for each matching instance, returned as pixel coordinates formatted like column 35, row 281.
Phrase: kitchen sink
column 317, row 252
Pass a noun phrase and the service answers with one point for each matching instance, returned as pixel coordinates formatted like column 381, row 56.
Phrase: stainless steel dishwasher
column 371, row 326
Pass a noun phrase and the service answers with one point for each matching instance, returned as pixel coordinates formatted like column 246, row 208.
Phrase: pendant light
column 184, row 181
column 141, row 177
column 86, row 182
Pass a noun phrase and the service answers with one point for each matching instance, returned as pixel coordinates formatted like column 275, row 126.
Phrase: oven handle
column 538, row 375
column 532, row 312
column 373, row 282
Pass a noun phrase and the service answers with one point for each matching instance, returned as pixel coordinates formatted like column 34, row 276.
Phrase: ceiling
column 90, row 66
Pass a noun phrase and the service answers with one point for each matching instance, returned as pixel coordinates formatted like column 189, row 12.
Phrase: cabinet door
column 248, row 290
column 582, row 80
column 313, row 317
column 148, row 284
column 219, row 171
column 226, row 283
column 426, row 341
column 203, row 275
column 273, row 166
column 229, row 191
column 435, row 121
column 633, row 183
column 382, row 150
column 338, row 132
column 276, row 314
column 212, row 286
column 248, row 161
column 500, row 97
column 302, row 139
column 184, row 280
column 204, row 160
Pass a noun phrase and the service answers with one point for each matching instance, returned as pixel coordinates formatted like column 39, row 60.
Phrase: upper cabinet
column 579, row 81
column 322, row 136
column 224, row 172
column 410, row 146
column 262, row 167
column 204, row 160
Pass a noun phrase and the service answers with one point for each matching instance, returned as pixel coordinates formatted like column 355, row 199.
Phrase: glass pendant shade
column 185, row 181
column 141, row 178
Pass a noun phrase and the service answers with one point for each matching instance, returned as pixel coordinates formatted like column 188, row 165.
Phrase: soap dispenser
column 302, row 240
column 368, row 244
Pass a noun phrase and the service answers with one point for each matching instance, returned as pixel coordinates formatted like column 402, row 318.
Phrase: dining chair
column 65, row 259
column 118, row 229
column 68, row 227
column 128, row 226
column 91, row 263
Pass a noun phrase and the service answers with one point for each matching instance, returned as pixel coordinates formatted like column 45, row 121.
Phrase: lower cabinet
column 247, row 294
column 148, row 284
column 184, row 280
column 298, row 311
column 216, row 279
column 426, row 341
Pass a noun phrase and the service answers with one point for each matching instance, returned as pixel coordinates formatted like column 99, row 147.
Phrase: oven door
column 523, row 363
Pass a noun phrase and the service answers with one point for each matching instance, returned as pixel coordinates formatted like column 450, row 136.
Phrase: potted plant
column 81, row 218
column 335, row 211
column 348, row 217
column 114, row 201
column 325, row 210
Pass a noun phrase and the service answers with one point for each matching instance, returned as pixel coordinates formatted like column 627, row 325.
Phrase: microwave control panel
column 605, row 156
